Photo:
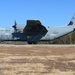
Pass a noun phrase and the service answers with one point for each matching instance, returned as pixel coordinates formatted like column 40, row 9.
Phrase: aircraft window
column 55, row 32
column 1, row 30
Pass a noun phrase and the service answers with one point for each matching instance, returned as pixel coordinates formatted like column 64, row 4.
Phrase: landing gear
column 32, row 42
column 29, row 42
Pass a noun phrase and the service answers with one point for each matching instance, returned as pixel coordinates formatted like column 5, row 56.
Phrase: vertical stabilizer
column 72, row 22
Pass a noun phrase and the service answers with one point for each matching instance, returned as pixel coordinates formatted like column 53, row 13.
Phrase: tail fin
column 72, row 22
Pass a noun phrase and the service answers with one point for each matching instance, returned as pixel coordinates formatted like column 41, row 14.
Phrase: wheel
column 34, row 42
column 29, row 42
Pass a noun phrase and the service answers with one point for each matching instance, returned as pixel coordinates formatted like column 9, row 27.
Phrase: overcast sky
column 49, row 12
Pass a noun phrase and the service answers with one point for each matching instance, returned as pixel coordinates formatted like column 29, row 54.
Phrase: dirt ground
column 37, row 60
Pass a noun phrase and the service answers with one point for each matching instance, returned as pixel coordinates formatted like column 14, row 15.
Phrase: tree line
column 66, row 39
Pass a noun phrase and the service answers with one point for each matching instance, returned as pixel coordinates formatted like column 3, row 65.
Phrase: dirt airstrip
column 37, row 60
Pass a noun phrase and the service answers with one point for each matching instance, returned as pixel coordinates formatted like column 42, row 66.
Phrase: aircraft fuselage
column 7, row 34
column 34, row 31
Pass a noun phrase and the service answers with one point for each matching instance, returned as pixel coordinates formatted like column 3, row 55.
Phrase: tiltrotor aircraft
column 34, row 31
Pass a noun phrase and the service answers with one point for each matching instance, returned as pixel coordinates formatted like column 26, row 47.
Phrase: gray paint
column 53, row 33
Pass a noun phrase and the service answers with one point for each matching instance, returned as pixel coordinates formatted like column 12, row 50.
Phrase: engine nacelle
column 19, row 28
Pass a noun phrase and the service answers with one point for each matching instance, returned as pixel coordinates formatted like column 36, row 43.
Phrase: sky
column 50, row 12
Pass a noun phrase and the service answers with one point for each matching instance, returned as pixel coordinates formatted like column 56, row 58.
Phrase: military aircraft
column 34, row 31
